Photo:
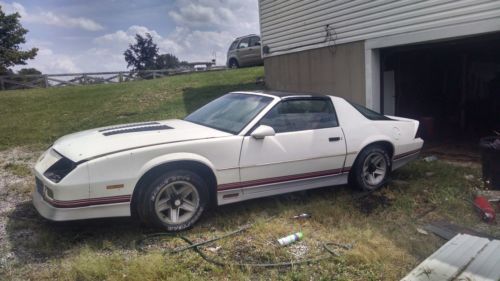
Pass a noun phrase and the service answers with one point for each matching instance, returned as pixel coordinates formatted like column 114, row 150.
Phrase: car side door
column 308, row 144
column 254, row 54
column 243, row 51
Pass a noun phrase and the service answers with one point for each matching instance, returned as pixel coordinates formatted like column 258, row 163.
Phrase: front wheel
column 233, row 64
column 371, row 169
column 175, row 200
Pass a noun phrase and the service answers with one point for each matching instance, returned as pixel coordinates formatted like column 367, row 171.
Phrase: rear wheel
column 174, row 201
column 371, row 169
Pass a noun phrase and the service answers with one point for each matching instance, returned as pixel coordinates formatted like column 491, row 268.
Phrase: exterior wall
column 338, row 71
column 289, row 26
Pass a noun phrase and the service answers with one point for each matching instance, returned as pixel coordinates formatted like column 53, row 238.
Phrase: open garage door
column 452, row 87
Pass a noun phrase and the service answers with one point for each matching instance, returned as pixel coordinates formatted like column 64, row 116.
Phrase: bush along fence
column 14, row 82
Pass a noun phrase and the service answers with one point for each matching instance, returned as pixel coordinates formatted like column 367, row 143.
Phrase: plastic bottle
column 290, row 239
column 302, row 216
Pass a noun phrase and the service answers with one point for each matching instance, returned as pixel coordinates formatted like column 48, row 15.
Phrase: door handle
column 334, row 139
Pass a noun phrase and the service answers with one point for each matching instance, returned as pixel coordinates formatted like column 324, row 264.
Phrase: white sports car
column 241, row 146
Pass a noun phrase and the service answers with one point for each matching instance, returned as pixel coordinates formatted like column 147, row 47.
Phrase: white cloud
column 49, row 18
column 13, row 7
column 203, row 28
column 198, row 15
column 121, row 37
column 49, row 62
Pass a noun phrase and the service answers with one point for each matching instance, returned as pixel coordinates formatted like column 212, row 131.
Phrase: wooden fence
column 13, row 82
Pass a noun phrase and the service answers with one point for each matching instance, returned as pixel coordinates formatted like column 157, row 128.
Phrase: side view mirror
column 257, row 43
column 263, row 131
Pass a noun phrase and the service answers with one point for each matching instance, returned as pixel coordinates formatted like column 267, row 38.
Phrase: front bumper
column 52, row 213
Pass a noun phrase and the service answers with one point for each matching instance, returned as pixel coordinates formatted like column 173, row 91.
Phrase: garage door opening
column 452, row 87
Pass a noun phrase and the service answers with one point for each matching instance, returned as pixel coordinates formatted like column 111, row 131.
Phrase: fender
column 375, row 138
column 172, row 157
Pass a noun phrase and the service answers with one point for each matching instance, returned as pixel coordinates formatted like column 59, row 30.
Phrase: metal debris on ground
column 464, row 257
column 447, row 230
column 430, row 158
column 422, row 231
column 214, row 249
column 332, row 250
column 491, row 195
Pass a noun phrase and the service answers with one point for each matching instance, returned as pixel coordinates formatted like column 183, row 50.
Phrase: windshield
column 229, row 113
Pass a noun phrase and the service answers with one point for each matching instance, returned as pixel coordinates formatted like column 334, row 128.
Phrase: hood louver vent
column 129, row 126
column 133, row 129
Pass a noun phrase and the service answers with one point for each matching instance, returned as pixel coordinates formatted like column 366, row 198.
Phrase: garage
column 451, row 86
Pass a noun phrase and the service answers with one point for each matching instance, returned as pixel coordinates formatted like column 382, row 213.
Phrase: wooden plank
column 61, row 82
column 24, row 84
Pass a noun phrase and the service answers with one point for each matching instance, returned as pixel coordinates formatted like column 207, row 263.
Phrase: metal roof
column 465, row 257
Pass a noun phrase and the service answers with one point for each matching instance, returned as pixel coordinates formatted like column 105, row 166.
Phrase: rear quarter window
column 368, row 113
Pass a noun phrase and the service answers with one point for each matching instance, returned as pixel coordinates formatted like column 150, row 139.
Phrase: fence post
column 46, row 81
column 2, row 85
column 154, row 74
column 84, row 79
column 120, row 77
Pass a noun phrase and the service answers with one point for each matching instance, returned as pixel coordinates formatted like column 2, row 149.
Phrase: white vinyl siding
column 291, row 25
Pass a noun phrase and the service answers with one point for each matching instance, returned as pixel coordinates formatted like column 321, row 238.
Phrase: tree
column 11, row 35
column 29, row 71
column 167, row 61
column 142, row 55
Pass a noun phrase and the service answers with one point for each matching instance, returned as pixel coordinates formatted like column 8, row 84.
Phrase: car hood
column 107, row 140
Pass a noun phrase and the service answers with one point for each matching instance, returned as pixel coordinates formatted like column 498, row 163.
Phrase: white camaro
column 241, row 146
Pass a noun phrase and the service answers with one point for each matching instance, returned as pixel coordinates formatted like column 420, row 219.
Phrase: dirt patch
column 15, row 188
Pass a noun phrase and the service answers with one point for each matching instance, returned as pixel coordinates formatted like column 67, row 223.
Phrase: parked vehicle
column 241, row 146
column 244, row 51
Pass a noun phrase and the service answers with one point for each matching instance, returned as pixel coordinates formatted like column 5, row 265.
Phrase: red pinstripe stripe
column 88, row 202
column 234, row 185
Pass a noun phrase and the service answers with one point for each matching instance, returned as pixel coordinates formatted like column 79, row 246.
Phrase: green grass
column 38, row 117
column 382, row 227
column 386, row 242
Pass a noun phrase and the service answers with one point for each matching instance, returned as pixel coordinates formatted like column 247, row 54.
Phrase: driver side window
column 301, row 114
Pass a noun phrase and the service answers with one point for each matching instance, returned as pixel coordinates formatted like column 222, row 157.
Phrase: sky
column 91, row 36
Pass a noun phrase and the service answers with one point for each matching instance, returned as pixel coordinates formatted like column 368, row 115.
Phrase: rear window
column 368, row 113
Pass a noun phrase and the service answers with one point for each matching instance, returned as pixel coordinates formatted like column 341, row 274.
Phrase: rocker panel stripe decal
column 88, row 202
column 236, row 185
column 406, row 154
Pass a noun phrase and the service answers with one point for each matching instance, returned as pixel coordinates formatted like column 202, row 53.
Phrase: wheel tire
column 233, row 64
column 173, row 201
column 371, row 169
